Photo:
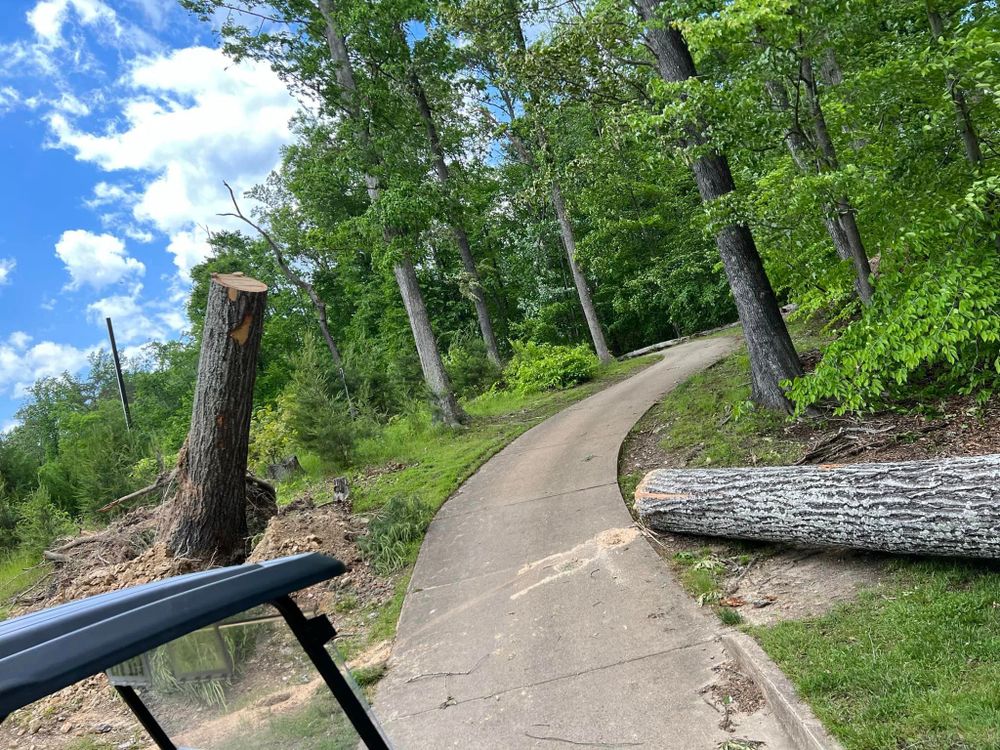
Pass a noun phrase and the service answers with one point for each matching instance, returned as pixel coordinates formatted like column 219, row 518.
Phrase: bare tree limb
column 310, row 291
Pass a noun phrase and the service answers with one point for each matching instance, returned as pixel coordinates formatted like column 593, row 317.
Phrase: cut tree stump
column 943, row 507
column 205, row 516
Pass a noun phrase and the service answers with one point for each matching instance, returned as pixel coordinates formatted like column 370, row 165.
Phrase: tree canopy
column 473, row 178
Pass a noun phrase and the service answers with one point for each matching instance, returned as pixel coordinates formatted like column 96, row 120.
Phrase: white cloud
column 188, row 249
column 194, row 119
column 105, row 194
column 48, row 17
column 137, row 234
column 130, row 320
column 7, row 266
column 8, row 426
column 10, row 98
column 19, row 339
column 95, row 259
column 20, row 366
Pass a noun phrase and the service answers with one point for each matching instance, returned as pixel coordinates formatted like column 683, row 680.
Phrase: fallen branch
column 161, row 482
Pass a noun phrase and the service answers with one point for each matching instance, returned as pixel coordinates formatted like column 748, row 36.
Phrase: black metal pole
column 313, row 634
column 148, row 721
column 121, row 378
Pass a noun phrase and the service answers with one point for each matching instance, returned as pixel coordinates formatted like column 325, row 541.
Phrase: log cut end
column 237, row 282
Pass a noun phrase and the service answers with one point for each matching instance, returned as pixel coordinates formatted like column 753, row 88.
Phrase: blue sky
column 119, row 119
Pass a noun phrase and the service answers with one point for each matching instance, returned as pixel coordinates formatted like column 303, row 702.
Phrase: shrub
column 539, row 367
column 937, row 315
column 394, row 534
column 468, row 367
column 40, row 521
column 320, row 422
column 270, row 435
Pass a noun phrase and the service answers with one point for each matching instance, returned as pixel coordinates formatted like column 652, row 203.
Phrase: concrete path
column 537, row 617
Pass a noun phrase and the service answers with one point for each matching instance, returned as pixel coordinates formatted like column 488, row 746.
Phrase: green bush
column 270, row 435
column 540, row 367
column 394, row 534
column 320, row 422
column 8, row 524
column 935, row 318
column 40, row 521
column 470, row 371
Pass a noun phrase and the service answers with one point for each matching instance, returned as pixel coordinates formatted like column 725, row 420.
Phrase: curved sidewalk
column 537, row 617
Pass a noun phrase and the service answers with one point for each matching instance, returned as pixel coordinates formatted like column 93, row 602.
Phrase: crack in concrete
column 494, row 509
column 557, row 678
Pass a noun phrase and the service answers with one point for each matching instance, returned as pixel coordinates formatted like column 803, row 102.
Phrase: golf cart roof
column 45, row 651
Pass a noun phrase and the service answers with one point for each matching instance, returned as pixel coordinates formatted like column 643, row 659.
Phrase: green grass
column 319, row 725
column 710, row 420
column 915, row 664
column 19, row 571
column 911, row 665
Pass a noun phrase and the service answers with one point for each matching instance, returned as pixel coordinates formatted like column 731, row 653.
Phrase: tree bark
column 566, row 233
column 942, row 507
column 435, row 376
column 582, row 289
column 772, row 356
column 850, row 235
column 206, row 516
column 443, row 175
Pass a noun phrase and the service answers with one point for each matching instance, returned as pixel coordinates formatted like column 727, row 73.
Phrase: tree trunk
column 435, row 376
column 772, row 355
column 566, row 232
column 967, row 131
column 963, row 118
column 943, row 507
column 206, row 518
column 839, row 220
column 457, row 229
column 845, row 217
column 582, row 289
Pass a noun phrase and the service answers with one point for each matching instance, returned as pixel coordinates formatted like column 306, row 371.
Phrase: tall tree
column 443, row 173
column 773, row 359
column 504, row 48
column 435, row 375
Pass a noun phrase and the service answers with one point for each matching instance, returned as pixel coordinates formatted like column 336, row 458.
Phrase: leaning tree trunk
column 839, row 219
column 435, row 376
column 942, row 507
column 582, row 288
column 205, row 518
column 566, row 232
column 457, row 228
column 772, row 356
column 854, row 246
column 963, row 119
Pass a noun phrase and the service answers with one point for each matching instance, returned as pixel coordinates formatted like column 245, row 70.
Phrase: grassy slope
column 913, row 664
column 18, row 572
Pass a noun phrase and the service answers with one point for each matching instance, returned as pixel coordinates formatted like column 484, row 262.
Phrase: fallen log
column 942, row 507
